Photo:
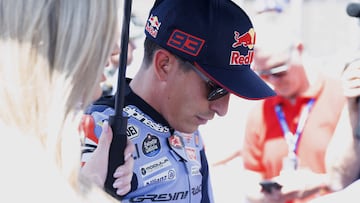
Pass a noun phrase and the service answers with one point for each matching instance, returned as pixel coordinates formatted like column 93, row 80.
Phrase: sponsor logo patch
column 195, row 170
column 185, row 42
column 134, row 113
column 132, row 131
column 175, row 141
column 167, row 175
column 196, row 190
column 153, row 25
column 191, row 153
column 245, row 40
column 164, row 197
column 154, row 166
column 151, row 146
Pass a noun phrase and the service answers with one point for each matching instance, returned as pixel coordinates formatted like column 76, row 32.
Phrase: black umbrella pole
column 118, row 122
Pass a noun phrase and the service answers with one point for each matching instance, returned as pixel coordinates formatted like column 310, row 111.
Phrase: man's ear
column 163, row 63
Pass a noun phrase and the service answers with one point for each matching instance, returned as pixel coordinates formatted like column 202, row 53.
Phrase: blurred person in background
column 49, row 70
column 286, row 136
column 111, row 72
column 342, row 158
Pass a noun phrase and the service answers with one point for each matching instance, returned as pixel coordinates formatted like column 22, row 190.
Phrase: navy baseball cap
column 216, row 36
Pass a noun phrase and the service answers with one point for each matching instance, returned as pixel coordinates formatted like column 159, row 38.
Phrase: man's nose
column 220, row 106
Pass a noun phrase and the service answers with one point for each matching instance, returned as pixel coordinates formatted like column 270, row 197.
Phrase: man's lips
column 203, row 120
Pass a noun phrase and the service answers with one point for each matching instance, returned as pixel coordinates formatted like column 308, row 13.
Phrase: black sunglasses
column 216, row 91
column 276, row 72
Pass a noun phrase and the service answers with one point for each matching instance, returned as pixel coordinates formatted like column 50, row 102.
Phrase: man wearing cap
column 195, row 54
column 286, row 136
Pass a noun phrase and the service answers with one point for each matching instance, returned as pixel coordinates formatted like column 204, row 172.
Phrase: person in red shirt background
column 286, row 136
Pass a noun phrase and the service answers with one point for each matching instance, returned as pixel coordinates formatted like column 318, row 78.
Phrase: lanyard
column 292, row 140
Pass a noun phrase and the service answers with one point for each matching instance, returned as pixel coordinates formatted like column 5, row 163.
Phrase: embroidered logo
column 185, row 42
column 153, row 25
column 151, row 145
column 246, row 40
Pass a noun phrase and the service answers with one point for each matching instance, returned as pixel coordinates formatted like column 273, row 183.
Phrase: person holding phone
column 286, row 136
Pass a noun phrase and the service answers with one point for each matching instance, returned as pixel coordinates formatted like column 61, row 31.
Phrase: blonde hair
column 52, row 57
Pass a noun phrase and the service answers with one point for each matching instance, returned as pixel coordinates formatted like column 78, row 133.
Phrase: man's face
column 187, row 105
column 280, row 70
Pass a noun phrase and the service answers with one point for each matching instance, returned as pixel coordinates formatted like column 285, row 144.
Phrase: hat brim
column 242, row 82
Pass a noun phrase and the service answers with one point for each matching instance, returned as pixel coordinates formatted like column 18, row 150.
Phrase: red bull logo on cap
column 246, row 40
column 153, row 25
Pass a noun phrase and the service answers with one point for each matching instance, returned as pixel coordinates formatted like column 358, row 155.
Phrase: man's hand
column 300, row 183
column 351, row 79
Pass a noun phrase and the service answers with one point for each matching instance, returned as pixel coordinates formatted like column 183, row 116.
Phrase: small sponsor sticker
column 151, row 146
column 154, row 166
